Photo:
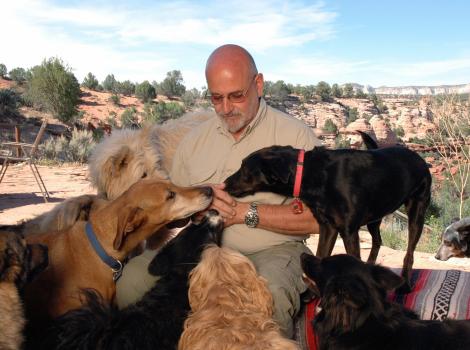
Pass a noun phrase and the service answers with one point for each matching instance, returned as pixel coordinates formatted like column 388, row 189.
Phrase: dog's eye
column 447, row 243
column 144, row 175
column 170, row 195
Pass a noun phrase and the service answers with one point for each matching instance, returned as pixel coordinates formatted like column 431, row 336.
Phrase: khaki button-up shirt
column 209, row 154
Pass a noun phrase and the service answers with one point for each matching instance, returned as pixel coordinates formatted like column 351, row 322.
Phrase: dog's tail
column 82, row 328
column 368, row 140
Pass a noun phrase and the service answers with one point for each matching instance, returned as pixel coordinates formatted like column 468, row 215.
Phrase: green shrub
column 54, row 87
column 366, row 116
column 190, row 97
column 323, row 90
column 348, row 90
column 8, row 102
column 336, row 91
column 278, row 91
column 378, row 103
column 109, row 83
column 114, row 99
column 18, row 75
column 342, row 142
column 360, row 94
column 126, row 88
column 90, row 82
column 80, row 146
column 399, row 131
column 3, row 70
column 352, row 115
column 330, row 127
column 145, row 91
column 161, row 112
column 420, row 141
column 61, row 149
column 112, row 119
column 129, row 118
column 172, row 85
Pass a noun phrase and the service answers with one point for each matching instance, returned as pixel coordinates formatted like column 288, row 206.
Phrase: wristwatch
column 251, row 217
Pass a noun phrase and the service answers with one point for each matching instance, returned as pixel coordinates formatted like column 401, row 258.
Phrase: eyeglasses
column 233, row 97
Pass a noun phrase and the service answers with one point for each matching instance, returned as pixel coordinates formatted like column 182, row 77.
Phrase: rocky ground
column 21, row 199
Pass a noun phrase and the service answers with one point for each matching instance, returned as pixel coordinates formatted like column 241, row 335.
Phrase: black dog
column 455, row 240
column 156, row 321
column 355, row 313
column 345, row 189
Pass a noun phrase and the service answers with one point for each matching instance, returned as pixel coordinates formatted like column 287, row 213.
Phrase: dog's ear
column 39, row 259
column 129, row 220
column 279, row 172
column 463, row 238
column 385, row 278
column 118, row 161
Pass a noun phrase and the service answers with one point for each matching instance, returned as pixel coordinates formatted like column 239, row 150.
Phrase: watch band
column 252, row 217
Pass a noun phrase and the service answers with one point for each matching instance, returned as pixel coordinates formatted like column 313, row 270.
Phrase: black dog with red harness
column 344, row 189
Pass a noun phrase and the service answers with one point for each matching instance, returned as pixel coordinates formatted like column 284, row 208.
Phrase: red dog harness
column 297, row 206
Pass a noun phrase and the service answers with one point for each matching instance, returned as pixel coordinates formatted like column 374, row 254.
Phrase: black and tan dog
column 455, row 240
column 19, row 264
column 355, row 312
column 154, row 322
column 344, row 189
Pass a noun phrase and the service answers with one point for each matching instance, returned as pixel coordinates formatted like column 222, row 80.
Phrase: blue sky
column 392, row 43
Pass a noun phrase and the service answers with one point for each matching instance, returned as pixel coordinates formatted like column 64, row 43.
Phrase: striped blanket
column 436, row 295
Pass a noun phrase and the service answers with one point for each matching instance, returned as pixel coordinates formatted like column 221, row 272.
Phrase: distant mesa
column 413, row 90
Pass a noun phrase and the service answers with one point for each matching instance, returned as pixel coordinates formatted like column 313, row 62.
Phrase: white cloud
column 135, row 42
column 145, row 41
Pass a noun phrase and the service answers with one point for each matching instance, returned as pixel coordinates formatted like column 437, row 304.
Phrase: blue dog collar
column 114, row 264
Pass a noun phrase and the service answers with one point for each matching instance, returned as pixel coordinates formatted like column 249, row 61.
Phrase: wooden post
column 18, row 139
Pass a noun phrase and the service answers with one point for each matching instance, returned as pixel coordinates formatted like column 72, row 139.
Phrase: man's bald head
column 231, row 57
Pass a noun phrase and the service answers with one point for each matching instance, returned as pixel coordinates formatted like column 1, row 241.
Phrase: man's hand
column 232, row 211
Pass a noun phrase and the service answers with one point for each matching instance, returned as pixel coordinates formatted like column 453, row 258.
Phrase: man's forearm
column 281, row 219
column 278, row 218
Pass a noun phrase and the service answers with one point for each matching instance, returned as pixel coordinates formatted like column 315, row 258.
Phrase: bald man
column 214, row 151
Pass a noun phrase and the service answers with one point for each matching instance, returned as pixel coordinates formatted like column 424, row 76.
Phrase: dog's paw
column 405, row 288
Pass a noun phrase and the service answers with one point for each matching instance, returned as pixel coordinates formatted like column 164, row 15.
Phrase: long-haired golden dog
column 231, row 306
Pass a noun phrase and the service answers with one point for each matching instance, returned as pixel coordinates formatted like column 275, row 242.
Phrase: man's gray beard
column 234, row 128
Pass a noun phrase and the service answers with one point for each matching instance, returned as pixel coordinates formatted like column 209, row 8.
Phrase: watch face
column 251, row 217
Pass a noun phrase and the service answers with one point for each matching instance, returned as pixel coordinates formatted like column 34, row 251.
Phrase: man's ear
column 129, row 220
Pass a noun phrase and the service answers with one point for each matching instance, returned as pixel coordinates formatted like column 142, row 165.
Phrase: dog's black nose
column 207, row 191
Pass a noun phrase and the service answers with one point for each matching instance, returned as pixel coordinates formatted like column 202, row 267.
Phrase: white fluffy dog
column 126, row 156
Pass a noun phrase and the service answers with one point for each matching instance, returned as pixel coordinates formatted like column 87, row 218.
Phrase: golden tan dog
column 18, row 264
column 119, row 226
column 231, row 306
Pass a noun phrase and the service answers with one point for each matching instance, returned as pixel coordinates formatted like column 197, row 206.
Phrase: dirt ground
column 20, row 199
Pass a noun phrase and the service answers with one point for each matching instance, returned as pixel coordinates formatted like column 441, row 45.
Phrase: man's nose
column 227, row 106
